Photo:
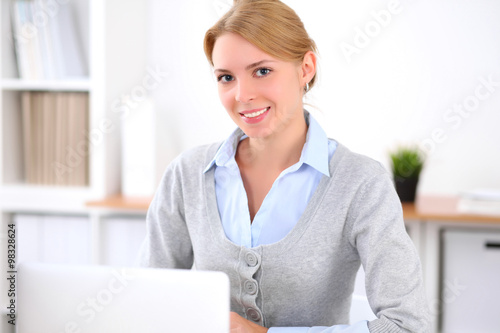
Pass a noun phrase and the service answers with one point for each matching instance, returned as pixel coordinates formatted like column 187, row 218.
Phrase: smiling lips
column 254, row 116
column 254, row 113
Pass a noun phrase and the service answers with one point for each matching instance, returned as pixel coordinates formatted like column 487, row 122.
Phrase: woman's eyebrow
column 221, row 70
column 253, row 65
column 258, row 63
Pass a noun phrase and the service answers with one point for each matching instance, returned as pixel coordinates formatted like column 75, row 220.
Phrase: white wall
column 401, row 87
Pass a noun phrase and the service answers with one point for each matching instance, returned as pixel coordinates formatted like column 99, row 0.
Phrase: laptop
column 94, row 299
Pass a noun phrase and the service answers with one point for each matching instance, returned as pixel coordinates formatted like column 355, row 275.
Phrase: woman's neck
column 277, row 151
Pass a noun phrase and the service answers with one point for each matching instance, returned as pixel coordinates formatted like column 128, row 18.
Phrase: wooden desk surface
column 121, row 202
column 427, row 208
column 440, row 208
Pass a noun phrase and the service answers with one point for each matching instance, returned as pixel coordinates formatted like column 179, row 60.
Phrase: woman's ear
column 308, row 68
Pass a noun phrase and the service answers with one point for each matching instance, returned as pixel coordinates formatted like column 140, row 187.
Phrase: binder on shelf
column 17, row 20
column 50, row 48
column 56, row 148
column 68, row 49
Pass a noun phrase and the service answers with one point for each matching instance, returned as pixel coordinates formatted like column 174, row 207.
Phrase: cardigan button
column 251, row 287
column 251, row 259
column 253, row 314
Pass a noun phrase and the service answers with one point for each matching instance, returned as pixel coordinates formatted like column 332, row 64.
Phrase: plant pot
column 406, row 188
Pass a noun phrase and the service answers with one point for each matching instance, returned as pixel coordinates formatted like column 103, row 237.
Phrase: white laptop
column 95, row 299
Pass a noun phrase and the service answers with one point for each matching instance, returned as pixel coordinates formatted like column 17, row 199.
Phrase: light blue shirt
column 282, row 206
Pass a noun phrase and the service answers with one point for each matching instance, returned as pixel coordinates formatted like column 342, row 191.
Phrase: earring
column 306, row 88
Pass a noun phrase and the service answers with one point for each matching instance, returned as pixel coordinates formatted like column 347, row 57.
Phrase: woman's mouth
column 255, row 113
column 254, row 116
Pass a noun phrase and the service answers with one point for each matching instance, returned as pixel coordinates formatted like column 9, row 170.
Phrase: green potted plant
column 407, row 163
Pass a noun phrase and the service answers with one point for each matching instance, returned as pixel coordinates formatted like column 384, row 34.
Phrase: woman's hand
column 242, row 325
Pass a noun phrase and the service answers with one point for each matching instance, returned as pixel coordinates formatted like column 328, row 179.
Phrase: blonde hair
column 270, row 25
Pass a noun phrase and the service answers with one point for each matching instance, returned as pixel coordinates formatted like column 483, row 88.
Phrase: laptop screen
column 93, row 299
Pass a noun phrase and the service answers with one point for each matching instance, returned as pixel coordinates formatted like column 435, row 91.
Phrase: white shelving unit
column 114, row 43
column 67, row 85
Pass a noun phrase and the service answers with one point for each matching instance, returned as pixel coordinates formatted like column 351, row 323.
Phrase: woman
column 287, row 213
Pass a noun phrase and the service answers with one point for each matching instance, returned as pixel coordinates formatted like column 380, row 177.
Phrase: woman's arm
column 167, row 243
column 393, row 273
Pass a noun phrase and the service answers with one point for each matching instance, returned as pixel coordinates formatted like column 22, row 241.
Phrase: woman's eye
column 262, row 71
column 224, row 78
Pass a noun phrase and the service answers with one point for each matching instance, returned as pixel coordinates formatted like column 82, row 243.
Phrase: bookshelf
column 82, row 85
column 113, row 46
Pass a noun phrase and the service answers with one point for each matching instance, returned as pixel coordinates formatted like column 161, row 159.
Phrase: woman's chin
column 256, row 133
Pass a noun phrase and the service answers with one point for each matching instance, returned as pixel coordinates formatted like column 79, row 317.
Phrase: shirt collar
column 314, row 153
column 227, row 150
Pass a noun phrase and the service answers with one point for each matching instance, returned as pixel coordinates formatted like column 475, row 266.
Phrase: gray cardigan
column 307, row 278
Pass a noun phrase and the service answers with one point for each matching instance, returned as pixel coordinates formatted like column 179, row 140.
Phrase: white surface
column 98, row 299
column 480, row 207
column 484, row 201
column 483, row 194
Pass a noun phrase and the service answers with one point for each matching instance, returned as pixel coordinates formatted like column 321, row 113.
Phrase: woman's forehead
column 233, row 51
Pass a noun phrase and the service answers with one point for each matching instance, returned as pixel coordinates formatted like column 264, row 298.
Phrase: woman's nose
column 245, row 91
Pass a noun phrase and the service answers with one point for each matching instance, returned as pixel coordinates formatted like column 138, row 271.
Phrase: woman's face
column 262, row 94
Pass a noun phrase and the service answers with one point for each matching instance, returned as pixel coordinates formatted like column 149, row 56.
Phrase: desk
column 438, row 208
column 119, row 202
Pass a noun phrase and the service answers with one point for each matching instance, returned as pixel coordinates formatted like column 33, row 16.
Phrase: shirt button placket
column 251, row 259
column 251, row 287
column 253, row 314
column 251, row 264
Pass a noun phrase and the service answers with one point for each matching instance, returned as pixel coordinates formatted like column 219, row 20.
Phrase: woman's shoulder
column 360, row 179
column 196, row 158
column 355, row 164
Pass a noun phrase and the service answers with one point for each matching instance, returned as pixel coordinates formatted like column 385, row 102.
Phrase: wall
column 391, row 72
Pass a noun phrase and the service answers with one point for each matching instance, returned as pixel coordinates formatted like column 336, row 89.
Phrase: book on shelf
column 46, row 40
column 56, row 146
column 480, row 201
